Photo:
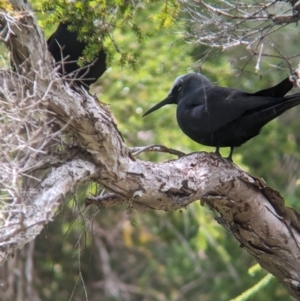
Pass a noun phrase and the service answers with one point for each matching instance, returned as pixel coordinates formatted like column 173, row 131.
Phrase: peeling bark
column 253, row 213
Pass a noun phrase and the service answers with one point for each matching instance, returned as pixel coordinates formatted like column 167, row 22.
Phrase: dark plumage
column 225, row 117
column 64, row 45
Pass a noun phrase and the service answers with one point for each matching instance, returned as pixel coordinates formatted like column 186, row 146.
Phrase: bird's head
column 182, row 85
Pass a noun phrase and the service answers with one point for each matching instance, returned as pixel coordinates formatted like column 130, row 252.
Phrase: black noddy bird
column 66, row 50
column 225, row 117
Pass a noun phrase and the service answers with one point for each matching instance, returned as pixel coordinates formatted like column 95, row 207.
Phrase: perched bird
column 225, row 117
column 66, row 50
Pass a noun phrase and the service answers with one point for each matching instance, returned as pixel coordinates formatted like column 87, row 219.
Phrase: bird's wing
column 213, row 108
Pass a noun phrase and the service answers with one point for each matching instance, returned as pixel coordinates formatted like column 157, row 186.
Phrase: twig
column 155, row 148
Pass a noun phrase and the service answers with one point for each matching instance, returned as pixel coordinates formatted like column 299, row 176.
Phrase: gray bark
column 253, row 213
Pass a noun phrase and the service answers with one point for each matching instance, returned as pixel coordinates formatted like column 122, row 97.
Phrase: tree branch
column 227, row 24
column 22, row 221
column 155, row 148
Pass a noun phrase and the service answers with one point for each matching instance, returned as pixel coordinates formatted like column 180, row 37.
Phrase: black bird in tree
column 66, row 50
column 225, row 117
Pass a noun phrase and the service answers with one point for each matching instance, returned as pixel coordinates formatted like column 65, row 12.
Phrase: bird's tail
column 270, row 113
column 290, row 102
column 265, row 115
column 292, row 96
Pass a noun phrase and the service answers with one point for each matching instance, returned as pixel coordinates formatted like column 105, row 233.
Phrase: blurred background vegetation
column 111, row 254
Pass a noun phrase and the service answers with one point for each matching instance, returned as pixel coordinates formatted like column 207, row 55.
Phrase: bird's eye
column 175, row 89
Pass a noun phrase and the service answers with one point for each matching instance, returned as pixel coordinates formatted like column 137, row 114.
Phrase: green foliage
column 5, row 5
column 96, row 22
column 255, row 289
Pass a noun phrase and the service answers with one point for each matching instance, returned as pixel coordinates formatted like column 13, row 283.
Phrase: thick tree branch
column 254, row 214
column 22, row 221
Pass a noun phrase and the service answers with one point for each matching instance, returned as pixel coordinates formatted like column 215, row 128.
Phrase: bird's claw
column 229, row 158
column 295, row 78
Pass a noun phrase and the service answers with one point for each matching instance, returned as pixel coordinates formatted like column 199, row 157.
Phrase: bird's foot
column 229, row 158
column 217, row 152
column 295, row 77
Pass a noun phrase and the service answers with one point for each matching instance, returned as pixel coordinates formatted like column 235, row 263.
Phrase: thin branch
column 155, row 148
column 278, row 20
column 228, row 24
column 104, row 201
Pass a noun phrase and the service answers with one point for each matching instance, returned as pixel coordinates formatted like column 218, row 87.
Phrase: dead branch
column 227, row 24
column 155, row 148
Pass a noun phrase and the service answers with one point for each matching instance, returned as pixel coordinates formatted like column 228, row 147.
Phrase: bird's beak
column 169, row 100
